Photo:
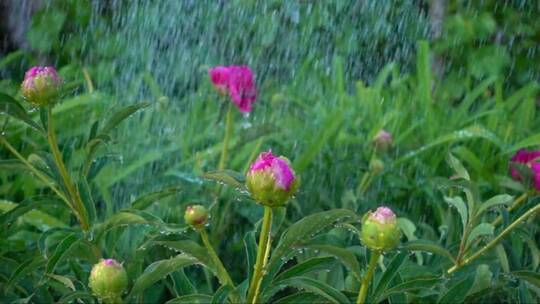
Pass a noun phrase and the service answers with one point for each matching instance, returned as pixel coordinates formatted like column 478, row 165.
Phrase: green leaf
column 18, row 210
column 391, row 271
column 428, row 246
column 503, row 258
column 480, row 230
column 331, row 126
column 62, row 250
column 122, row 114
column 191, row 299
column 25, row 268
column 531, row 277
column 307, row 266
column 12, row 166
column 530, row 141
column 411, row 285
column 303, row 230
column 62, row 279
column 189, row 248
column 310, row 285
column 408, row 228
column 157, row 270
column 250, row 246
column 482, row 278
column 76, row 295
column 458, row 292
column 458, row 167
column 119, row 219
column 228, row 177
column 345, row 256
column 11, row 107
column 458, row 203
column 148, row 199
column 220, row 296
column 471, row 132
column 301, row 297
column 501, row 199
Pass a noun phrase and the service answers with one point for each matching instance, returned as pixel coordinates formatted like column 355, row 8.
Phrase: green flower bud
column 383, row 140
column 41, row 86
column 196, row 216
column 380, row 230
column 271, row 180
column 376, row 166
column 108, row 280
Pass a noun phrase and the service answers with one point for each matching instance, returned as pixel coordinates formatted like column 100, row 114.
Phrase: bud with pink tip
column 271, row 180
column 41, row 86
column 383, row 140
column 196, row 216
column 380, row 230
column 108, row 280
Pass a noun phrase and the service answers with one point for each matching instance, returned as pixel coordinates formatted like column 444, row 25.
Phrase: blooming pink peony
column 523, row 157
column 536, row 171
column 238, row 81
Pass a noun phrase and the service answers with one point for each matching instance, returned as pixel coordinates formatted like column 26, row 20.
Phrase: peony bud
column 376, row 166
column 238, row 81
column 41, row 86
column 196, row 216
column 383, row 140
column 108, row 280
column 380, row 230
column 271, row 180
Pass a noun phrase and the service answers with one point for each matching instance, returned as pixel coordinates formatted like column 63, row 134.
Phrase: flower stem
column 36, row 172
column 226, row 279
column 78, row 205
column 262, row 256
column 226, row 138
column 367, row 278
column 496, row 240
column 514, row 205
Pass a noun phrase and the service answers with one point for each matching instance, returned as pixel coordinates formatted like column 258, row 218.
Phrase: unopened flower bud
column 41, row 86
column 380, row 230
column 108, row 280
column 376, row 166
column 271, row 180
column 196, row 216
column 383, row 140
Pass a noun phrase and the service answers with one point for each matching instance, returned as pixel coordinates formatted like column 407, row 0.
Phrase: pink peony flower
column 238, row 81
column 524, row 157
column 536, row 171
column 383, row 215
column 278, row 168
column 220, row 78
